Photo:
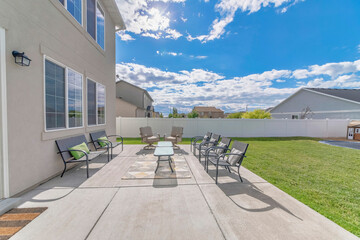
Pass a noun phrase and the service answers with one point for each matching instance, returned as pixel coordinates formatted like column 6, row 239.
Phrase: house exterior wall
column 147, row 101
column 211, row 115
column 322, row 107
column 130, row 94
column 140, row 112
column 39, row 28
column 125, row 109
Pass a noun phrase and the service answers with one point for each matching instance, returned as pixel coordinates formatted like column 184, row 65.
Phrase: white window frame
column 102, row 10
column 97, row 2
column 96, row 97
column 66, row 96
column 82, row 11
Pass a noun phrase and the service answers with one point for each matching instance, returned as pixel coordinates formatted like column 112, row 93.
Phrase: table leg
column 170, row 164
column 158, row 161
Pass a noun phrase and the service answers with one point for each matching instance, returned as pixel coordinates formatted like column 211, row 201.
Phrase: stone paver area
column 105, row 206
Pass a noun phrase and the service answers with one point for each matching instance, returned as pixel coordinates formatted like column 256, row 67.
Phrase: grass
column 326, row 178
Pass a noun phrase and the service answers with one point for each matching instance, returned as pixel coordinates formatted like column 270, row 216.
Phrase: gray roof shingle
column 349, row 94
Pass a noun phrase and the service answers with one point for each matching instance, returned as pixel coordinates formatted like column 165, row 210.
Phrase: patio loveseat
column 100, row 145
column 66, row 151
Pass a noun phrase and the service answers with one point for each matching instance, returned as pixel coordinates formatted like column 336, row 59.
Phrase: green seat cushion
column 76, row 154
column 103, row 142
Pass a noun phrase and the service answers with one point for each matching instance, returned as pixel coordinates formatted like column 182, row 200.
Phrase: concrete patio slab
column 105, row 206
column 72, row 217
column 157, row 213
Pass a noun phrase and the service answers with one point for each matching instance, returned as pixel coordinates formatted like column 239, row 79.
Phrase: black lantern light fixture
column 21, row 59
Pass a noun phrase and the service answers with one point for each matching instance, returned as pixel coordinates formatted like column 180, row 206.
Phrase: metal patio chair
column 233, row 158
column 175, row 136
column 216, row 151
column 148, row 137
column 214, row 140
column 195, row 141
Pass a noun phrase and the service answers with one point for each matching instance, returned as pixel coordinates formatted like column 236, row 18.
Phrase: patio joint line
column 207, row 203
column 101, row 214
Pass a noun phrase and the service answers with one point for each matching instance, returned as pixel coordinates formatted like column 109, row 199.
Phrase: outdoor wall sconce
column 21, row 59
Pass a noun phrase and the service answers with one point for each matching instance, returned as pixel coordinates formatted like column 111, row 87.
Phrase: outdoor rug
column 17, row 218
column 144, row 168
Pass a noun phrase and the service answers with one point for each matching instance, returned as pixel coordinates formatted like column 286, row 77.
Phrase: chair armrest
column 216, row 147
column 117, row 136
column 196, row 138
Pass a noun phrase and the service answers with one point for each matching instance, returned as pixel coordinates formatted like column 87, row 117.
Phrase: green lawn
column 326, row 178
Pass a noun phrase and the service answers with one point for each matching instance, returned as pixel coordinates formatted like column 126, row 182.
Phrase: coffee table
column 164, row 144
column 164, row 150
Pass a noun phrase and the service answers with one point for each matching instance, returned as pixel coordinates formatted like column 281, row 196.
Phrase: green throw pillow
column 103, row 142
column 76, row 154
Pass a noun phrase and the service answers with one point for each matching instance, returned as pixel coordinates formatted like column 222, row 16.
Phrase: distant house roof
column 132, row 85
column 349, row 94
column 207, row 109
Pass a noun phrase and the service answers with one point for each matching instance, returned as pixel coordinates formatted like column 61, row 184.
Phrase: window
column 96, row 99
column 100, row 28
column 74, row 7
column 294, row 117
column 96, row 22
column 101, row 103
column 55, row 96
column 91, row 98
column 75, row 99
column 63, row 97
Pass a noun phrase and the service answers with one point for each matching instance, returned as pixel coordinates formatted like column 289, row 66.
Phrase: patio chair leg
column 239, row 174
column 122, row 146
column 63, row 171
column 228, row 168
column 87, row 168
column 111, row 153
column 217, row 172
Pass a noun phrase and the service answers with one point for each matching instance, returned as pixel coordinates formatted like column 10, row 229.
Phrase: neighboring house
column 320, row 103
column 67, row 90
column 209, row 112
column 133, row 101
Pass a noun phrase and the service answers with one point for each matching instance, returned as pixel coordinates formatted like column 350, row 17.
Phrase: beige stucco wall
column 125, row 109
column 140, row 112
column 44, row 27
column 130, row 93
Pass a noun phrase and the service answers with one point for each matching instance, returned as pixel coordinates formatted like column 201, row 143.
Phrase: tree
column 193, row 114
column 257, row 114
column 306, row 112
column 175, row 114
column 161, row 115
column 235, row 115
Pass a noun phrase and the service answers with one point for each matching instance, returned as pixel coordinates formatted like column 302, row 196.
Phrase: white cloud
column 143, row 19
column 227, row 10
column 178, row 54
column 358, row 48
column 125, row 37
column 183, row 19
column 187, row 88
column 169, row 53
column 331, row 69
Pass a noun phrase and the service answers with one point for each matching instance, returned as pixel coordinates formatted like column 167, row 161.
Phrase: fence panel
column 322, row 128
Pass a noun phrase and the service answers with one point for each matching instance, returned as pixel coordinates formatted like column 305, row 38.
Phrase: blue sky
column 233, row 53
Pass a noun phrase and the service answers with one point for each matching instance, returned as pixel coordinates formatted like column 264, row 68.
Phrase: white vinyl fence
column 322, row 128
